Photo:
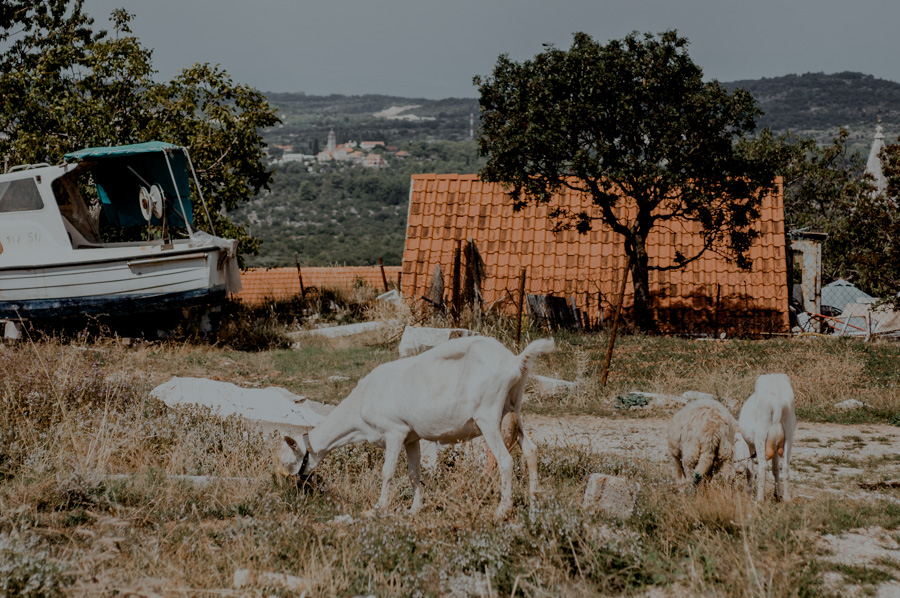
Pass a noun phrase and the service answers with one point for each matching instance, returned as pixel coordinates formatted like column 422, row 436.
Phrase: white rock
column 245, row 578
column 417, row 339
column 551, row 386
column 338, row 331
column 342, row 520
column 693, row 395
column 391, row 296
column 850, row 404
column 273, row 407
column 612, row 495
column 338, row 378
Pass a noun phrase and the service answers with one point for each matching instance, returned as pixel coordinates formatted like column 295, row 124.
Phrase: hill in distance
column 343, row 214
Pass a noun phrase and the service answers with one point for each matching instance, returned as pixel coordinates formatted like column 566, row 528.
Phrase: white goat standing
column 767, row 421
column 456, row 391
column 701, row 439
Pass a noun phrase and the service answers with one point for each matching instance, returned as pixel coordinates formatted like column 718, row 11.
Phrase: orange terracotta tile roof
column 709, row 293
column 263, row 284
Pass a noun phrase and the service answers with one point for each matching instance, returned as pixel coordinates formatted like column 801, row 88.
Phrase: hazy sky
column 432, row 49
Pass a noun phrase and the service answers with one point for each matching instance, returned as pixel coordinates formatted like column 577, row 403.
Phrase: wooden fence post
column 456, row 295
column 519, row 307
column 383, row 275
column 615, row 326
column 300, row 275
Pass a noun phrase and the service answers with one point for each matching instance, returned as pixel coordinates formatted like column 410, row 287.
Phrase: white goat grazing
column 701, row 439
column 456, row 391
column 767, row 422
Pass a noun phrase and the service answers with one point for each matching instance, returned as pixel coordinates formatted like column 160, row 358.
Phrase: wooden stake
column 400, row 283
column 456, row 298
column 383, row 275
column 519, row 306
column 615, row 326
column 300, row 275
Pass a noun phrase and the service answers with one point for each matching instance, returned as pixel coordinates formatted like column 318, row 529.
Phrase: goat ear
column 289, row 461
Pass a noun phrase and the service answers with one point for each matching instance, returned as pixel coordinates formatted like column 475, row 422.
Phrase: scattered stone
column 392, row 297
column 415, row 339
column 850, row 404
column 338, row 378
column 551, row 386
column 338, row 331
column 693, row 395
column 463, row 586
column 612, row 495
column 342, row 520
column 244, row 578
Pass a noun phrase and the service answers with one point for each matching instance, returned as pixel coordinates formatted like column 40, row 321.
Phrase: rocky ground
column 860, row 462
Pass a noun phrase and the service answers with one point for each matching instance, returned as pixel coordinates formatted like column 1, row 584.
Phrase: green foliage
column 826, row 189
column 65, row 86
column 632, row 118
column 815, row 102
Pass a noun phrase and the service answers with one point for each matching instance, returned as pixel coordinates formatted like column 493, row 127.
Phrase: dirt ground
column 853, row 461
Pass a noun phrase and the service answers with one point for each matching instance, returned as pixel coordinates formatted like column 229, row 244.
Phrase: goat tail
column 535, row 348
column 775, row 440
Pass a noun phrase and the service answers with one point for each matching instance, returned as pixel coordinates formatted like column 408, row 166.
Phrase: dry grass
column 91, row 502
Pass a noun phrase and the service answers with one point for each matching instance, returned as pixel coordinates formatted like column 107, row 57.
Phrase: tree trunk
column 643, row 314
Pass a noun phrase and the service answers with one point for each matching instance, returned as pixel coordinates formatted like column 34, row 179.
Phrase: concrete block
column 338, row 331
column 611, row 495
column 418, row 339
column 392, row 297
column 11, row 330
column 551, row 386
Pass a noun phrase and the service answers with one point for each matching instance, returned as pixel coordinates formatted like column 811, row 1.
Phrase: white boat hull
column 113, row 286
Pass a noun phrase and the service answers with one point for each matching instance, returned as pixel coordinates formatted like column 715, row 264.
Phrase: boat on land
column 55, row 265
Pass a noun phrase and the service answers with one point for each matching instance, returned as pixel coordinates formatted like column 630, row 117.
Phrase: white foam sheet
column 273, row 405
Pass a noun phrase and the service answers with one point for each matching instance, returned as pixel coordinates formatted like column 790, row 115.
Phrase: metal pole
column 212, row 228
column 615, row 326
column 519, row 306
column 178, row 195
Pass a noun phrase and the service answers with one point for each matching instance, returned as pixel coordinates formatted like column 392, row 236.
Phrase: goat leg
column 509, row 428
column 495, row 443
column 529, row 449
column 391, row 456
column 414, row 468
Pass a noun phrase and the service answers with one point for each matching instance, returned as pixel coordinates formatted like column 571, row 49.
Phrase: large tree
column 65, row 85
column 629, row 121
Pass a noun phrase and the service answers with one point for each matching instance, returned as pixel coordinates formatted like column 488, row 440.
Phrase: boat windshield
column 123, row 174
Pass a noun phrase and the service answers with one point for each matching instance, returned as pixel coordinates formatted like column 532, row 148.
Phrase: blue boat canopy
column 122, row 171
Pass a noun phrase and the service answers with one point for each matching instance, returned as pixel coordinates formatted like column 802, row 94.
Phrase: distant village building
column 374, row 161
column 355, row 153
column 873, row 165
